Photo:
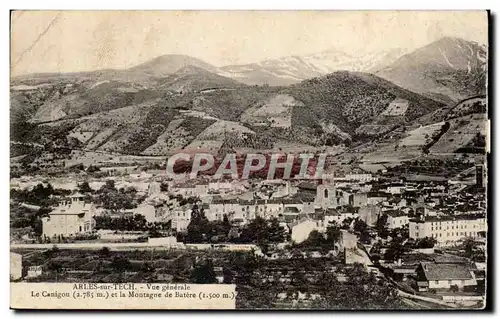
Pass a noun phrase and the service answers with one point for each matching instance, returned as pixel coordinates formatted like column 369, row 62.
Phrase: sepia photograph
column 248, row 160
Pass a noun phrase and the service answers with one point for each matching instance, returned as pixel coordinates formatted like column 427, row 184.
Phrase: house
column 16, row 266
column 181, row 218
column 220, row 185
column 338, row 216
column 191, row 188
column 396, row 188
column 348, row 240
column 396, row 219
column 352, row 198
column 70, row 218
column 375, row 197
column 363, row 178
column 284, row 190
column 431, row 275
column 234, row 208
column 219, row 274
column 34, row 271
column 303, row 227
column 369, row 214
column 148, row 211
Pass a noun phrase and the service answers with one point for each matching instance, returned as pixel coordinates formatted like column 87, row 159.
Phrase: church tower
column 326, row 194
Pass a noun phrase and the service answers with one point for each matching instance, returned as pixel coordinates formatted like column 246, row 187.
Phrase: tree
column 204, row 273
column 199, row 228
column 359, row 225
column 120, row 264
column 105, row 251
column 147, row 268
column 361, row 291
column 263, row 232
column 333, row 234
column 469, row 247
column 164, row 187
column 228, row 276
column 84, row 187
column 315, row 239
column 395, row 251
column 381, row 222
column 54, row 266
column 346, row 223
column 364, row 237
column 426, row 242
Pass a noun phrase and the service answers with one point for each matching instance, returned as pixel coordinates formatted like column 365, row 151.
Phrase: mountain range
column 176, row 102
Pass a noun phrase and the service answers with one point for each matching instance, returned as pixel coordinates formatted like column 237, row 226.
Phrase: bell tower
column 326, row 195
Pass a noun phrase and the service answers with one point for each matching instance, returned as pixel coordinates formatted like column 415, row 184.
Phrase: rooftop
column 433, row 271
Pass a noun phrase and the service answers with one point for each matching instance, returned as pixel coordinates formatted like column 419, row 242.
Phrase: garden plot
column 397, row 107
column 422, row 135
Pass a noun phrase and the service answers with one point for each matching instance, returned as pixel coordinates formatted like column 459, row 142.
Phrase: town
column 420, row 242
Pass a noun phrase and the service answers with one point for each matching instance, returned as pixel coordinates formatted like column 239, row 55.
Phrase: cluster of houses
column 423, row 208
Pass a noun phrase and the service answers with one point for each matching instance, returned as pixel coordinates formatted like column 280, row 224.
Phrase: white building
column 148, row 211
column 363, row 178
column 16, row 266
column 396, row 219
column 191, row 189
column 432, row 275
column 448, row 229
column 303, row 228
column 334, row 216
column 70, row 218
column 181, row 219
column 396, row 189
column 34, row 271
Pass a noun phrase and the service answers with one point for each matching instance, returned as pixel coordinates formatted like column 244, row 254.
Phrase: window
column 436, row 282
column 326, row 193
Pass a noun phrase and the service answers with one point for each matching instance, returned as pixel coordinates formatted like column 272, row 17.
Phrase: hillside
column 194, row 79
column 350, row 100
column 458, row 129
column 449, row 69
column 56, row 101
column 194, row 108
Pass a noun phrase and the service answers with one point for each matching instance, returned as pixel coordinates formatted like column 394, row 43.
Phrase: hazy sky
column 66, row 41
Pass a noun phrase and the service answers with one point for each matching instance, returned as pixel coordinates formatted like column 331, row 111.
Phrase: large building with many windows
column 448, row 229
